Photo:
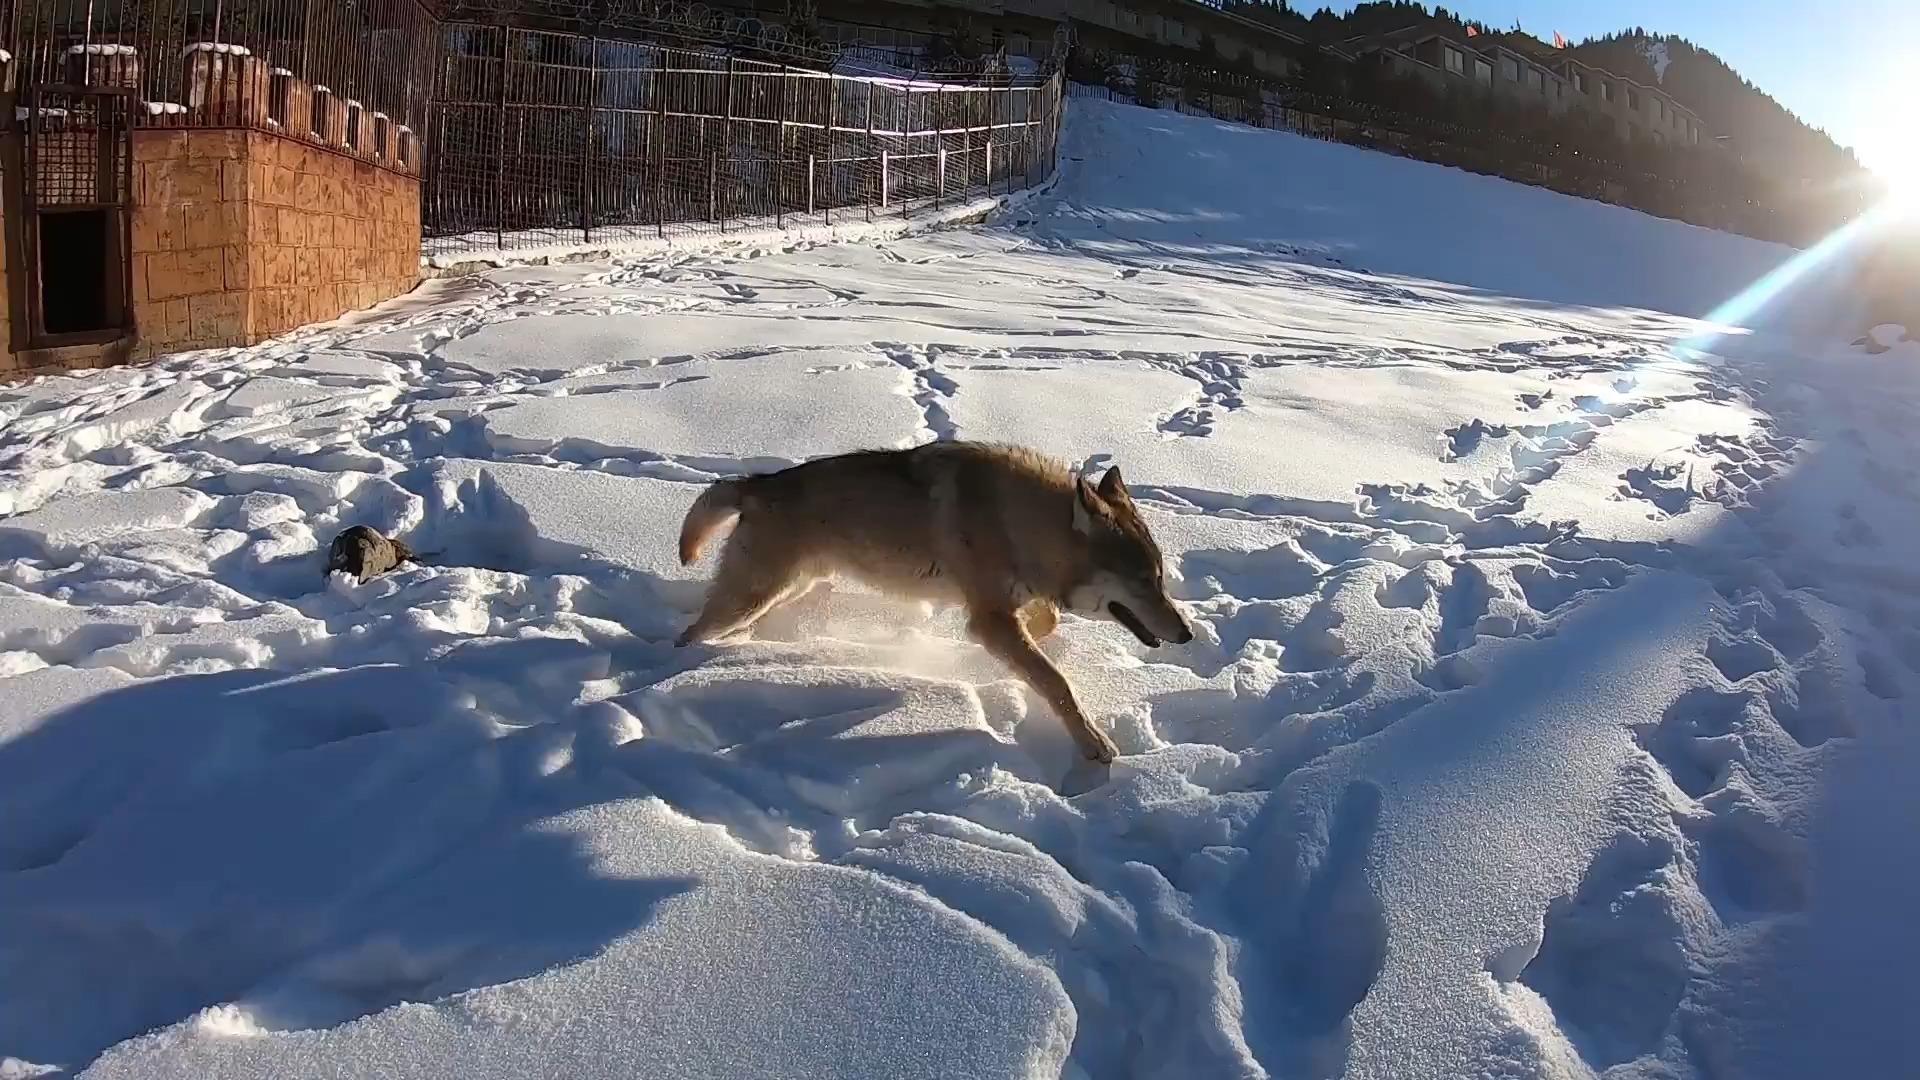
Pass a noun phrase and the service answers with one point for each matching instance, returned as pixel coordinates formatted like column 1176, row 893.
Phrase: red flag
column 1471, row 32
column 1558, row 41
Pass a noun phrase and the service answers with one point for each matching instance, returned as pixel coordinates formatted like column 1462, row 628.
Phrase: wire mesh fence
column 77, row 155
column 543, row 138
column 352, row 77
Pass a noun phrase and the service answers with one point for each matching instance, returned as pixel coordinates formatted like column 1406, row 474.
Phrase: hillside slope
column 1763, row 130
column 1160, row 177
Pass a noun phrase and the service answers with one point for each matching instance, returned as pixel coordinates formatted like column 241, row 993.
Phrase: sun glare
column 1898, row 168
column 1903, row 194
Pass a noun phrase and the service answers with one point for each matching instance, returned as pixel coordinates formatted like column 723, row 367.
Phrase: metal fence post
column 966, row 143
column 810, row 185
column 586, row 171
column 780, row 160
column 500, row 163
column 660, row 145
column 907, row 128
column 833, row 121
column 726, row 147
column 990, row 115
column 432, row 179
column 1027, row 153
column 1053, row 124
column 883, row 154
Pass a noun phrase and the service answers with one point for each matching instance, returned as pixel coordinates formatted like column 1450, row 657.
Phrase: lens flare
column 1833, row 253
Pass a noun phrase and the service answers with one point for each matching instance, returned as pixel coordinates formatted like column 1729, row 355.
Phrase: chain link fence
column 543, row 138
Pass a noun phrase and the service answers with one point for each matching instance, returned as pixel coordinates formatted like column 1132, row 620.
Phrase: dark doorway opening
column 79, row 272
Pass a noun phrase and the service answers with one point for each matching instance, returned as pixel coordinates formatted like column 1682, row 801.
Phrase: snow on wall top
column 221, row 47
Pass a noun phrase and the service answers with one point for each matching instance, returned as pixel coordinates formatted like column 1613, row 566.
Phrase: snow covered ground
column 1547, row 715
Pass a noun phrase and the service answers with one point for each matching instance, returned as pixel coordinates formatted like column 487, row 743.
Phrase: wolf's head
column 1126, row 578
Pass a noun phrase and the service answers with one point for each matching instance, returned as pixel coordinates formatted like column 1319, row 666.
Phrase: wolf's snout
column 1169, row 622
column 1155, row 625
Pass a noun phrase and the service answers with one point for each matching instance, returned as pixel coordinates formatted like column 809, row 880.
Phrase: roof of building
column 1411, row 34
column 1521, row 42
column 1663, row 95
column 1523, row 45
column 1215, row 8
column 1526, row 46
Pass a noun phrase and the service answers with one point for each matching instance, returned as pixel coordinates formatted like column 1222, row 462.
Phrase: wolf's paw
column 1097, row 746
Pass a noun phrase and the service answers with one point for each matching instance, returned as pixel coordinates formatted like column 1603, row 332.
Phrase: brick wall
column 189, row 210
column 326, row 234
column 240, row 235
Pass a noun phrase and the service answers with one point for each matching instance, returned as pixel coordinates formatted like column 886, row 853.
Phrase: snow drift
column 1543, row 718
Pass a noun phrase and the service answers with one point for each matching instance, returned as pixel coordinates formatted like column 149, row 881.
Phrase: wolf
column 1006, row 532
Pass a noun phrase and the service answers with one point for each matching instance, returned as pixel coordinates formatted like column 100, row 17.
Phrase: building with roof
column 1517, row 68
column 1637, row 111
column 1120, row 26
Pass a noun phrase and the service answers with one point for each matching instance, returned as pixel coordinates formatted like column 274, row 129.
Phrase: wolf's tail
column 715, row 507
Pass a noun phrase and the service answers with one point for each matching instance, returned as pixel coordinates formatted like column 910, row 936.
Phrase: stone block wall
column 240, row 235
column 189, row 210
column 326, row 234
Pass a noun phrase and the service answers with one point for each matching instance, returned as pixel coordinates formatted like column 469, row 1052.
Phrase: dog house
column 75, row 181
column 178, row 174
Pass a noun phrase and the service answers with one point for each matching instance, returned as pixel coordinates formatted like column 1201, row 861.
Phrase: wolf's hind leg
column 747, row 586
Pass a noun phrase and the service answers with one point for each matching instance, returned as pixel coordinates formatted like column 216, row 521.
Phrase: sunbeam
column 1739, row 310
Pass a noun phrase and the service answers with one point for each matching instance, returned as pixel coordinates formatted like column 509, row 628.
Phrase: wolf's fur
column 1011, row 535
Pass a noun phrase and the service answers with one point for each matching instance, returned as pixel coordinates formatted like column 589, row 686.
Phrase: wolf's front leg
column 1041, row 616
column 1004, row 636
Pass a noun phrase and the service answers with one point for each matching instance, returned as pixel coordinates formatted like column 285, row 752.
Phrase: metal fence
column 351, row 76
column 543, row 138
column 693, row 24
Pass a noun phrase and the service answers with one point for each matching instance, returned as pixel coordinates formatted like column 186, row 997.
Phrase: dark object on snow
column 364, row 553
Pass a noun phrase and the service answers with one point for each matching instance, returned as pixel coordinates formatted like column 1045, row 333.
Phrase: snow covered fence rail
column 542, row 135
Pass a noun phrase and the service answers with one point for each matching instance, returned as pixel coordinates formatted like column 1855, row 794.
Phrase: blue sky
column 1849, row 66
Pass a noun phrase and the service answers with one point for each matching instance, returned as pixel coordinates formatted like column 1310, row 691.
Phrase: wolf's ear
column 1113, row 489
column 1087, row 506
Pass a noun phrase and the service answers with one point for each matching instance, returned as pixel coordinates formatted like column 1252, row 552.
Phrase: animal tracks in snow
column 1395, row 512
